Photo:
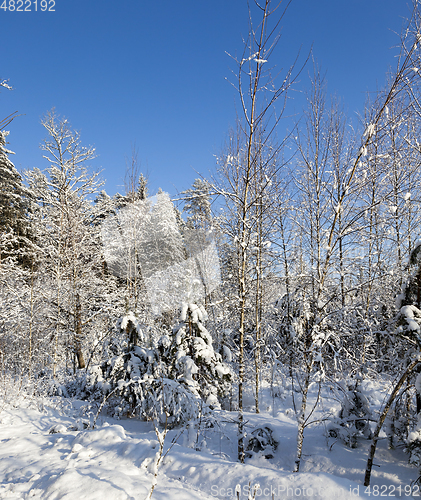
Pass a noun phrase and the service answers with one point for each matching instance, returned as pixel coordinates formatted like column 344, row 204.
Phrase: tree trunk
column 302, row 419
column 78, row 334
column 382, row 418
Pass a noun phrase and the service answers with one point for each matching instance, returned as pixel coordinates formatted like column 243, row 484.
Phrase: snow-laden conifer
column 194, row 361
column 14, row 204
column 353, row 419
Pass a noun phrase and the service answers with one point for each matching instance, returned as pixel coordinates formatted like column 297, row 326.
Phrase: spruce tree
column 193, row 360
column 138, row 380
column 14, row 198
column 197, row 205
column 409, row 328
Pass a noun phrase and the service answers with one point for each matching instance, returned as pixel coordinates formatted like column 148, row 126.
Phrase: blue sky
column 153, row 74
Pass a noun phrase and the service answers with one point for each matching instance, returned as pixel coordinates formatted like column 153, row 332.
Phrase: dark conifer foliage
column 14, row 201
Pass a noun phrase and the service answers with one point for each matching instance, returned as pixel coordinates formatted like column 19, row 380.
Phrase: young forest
column 265, row 323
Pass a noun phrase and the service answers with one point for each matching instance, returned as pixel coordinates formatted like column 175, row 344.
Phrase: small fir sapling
column 173, row 380
column 400, row 419
column 413, row 443
column 262, row 442
column 408, row 302
column 353, row 419
column 168, row 381
column 194, row 361
column 134, row 370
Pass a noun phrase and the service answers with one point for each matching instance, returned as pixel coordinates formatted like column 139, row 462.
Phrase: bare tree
column 248, row 166
column 335, row 215
column 65, row 221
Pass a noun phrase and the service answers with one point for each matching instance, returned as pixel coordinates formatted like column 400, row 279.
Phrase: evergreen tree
column 14, row 199
column 409, row 331
column 138, row 381
column 193, row 360
column 197, row 205
column 353, row 419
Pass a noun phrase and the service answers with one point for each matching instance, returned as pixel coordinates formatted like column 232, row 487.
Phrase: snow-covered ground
column 45, row 453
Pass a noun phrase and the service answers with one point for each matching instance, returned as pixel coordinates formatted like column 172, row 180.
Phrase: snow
column 93, row 464
column 409, row 313
column 184, row 309
column 369, row 131
column 42, row 456
column 188, row 367
column 227, row 355
column 418, row 383
column 196, row 313
column 129, row 318
column 203, row 350
column 250, row 58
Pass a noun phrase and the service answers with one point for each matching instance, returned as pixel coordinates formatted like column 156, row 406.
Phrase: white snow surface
column 42, row 456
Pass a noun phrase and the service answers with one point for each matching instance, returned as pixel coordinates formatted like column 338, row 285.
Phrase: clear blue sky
column 153, row 73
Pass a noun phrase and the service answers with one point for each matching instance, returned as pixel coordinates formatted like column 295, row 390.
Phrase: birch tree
column 71, row 242
column 262, row 99
column 326, row 237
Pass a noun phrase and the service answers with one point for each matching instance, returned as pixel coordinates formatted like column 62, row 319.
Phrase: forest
column 295, row 268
